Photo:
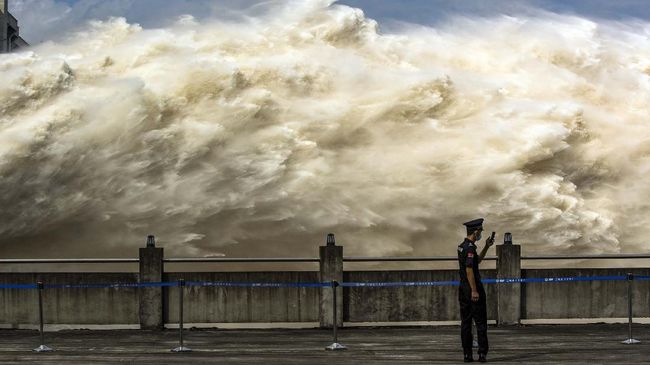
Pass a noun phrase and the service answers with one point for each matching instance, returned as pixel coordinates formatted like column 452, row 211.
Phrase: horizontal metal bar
column 241, row 259
column 588, row 257
column 415, row 258
column 311, row 259
column 69, row 261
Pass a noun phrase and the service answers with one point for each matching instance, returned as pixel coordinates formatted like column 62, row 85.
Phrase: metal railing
column 589, row 257
column 68, row 261
column 242, row 259
column 312, row 259
column 407, row 258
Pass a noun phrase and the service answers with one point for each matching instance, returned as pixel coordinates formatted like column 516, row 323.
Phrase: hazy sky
column 42, row 20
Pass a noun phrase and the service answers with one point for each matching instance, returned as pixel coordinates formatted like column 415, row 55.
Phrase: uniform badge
column 470, row 254
column 460, row 249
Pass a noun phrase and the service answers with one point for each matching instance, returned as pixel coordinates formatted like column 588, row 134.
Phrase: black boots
column 482, row 358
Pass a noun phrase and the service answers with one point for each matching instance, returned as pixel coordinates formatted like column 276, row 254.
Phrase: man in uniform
column 471, row 293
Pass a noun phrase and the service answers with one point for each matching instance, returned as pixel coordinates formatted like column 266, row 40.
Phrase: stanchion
column 181, row 348
column 630, row 340
column 42, row 347
column 335, row 343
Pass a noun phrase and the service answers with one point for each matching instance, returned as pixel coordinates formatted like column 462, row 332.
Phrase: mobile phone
column 492, row 236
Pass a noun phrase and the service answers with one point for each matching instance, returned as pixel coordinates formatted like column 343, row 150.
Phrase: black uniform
column 467, row 257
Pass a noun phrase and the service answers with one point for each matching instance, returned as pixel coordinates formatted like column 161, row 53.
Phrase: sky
column 43, row 20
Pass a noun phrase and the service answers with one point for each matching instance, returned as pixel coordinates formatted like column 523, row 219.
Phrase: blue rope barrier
column 401, row 283
column 18, row 286
column 165, row 284
column 487, row 281
column 324, row 284
column 554, row 280
column 258, row 285
column 114, row 285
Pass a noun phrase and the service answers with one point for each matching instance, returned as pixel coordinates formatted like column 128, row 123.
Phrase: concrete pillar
column 331, row 268
column 3, row 26
column 151, row 298
column 509, row 295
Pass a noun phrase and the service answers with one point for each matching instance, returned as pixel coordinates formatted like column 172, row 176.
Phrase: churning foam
column 259, row 137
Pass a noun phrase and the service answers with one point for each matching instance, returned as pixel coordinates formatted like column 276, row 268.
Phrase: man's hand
column 488, row 243
column 475, row 296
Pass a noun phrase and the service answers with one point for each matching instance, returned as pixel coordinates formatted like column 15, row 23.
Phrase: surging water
column 257, row 138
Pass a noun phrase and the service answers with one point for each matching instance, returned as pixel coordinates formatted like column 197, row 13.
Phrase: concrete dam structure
column 10, row 39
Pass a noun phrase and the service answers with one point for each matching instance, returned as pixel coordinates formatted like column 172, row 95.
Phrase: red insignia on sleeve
column 470, row 254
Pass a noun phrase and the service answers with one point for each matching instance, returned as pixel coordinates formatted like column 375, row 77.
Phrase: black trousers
column 473, row 310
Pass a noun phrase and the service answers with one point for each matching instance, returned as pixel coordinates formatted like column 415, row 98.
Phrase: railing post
column 42, row 347
column 151, row 298
column 181, row 289
column 331, row 269
column 335, row 339
column 508, row 295
column 630, row 340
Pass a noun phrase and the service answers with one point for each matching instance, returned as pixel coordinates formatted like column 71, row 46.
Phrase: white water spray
column 258, row 138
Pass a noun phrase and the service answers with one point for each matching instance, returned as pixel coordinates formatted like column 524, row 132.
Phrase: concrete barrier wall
column 599, row 299
column 423, row 303
column 69, row 306
column 587, row 299
column 244, row 304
